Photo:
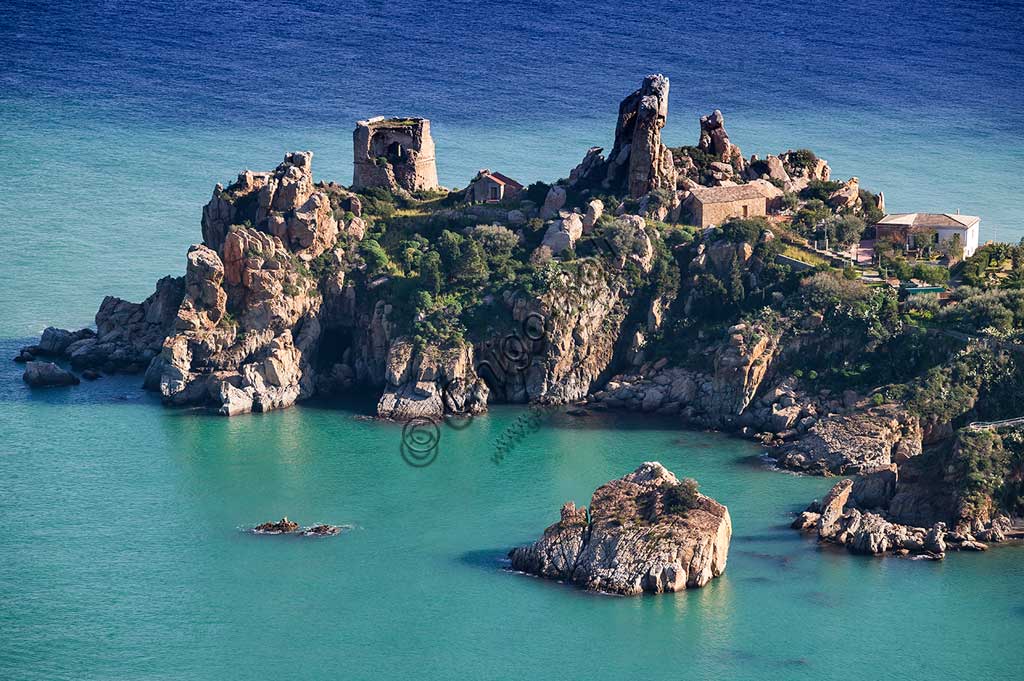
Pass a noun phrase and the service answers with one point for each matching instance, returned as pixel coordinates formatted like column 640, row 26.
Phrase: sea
column 123, row 545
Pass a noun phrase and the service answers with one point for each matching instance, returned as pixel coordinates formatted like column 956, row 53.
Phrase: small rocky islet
column 674, row 280
column 286, row 526
column 647, row 532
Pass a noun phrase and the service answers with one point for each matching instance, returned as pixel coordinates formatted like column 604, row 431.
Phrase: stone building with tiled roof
column 492, row 187
column 908, row 229
column 715, row 205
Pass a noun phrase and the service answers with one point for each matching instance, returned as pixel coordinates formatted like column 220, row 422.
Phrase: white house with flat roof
column 902, row 228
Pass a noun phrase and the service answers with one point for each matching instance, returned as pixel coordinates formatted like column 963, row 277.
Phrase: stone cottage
column 393, row 153
column 910, row 229
column 715, row 205
column 491, row 187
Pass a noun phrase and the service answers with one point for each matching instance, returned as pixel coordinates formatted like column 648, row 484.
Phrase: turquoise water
column 121, row 555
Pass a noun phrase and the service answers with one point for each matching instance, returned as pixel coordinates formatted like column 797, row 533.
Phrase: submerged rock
column 646, row 532
column 321, row 531
column 47, row 374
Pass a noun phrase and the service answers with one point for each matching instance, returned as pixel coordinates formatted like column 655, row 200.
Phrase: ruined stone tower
column 393, row 153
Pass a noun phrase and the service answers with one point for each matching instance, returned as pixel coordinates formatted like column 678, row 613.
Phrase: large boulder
column 562, row 234
column 646, row 532
column 47, row 374
column 847, row 197
column 553, row 202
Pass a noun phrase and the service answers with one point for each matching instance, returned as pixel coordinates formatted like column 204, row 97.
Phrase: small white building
column 906, row 228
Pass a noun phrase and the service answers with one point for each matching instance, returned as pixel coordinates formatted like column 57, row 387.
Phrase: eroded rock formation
column 430, row 382
column 715, row 140
column 639, row 162
column 635, row 538
column 856, row 514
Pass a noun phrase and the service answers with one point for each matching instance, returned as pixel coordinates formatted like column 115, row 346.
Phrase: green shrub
column 747, row 230
column 537, row 192
column 803, row 158
column 808, row 219
column 819, row 189
column 678, row 499
column 846, row 229
column 376, row 258
column 933, row 274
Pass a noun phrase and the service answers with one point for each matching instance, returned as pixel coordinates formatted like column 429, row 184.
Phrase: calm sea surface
column 121, row 555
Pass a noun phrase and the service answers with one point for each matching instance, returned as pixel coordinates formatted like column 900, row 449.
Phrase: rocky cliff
column 641, row 534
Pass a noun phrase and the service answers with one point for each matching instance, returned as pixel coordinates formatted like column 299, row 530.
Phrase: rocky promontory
column 646, row 532
column 860, row 515
column 685, row 281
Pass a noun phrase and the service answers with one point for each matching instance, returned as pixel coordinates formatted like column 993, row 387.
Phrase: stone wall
column 717, row 213
column 393, row 153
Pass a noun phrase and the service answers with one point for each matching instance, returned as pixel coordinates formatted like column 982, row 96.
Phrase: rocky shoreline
column 860, row 516
column 594, row 291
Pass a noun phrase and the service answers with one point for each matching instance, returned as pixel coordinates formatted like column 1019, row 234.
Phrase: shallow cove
column 123, row 556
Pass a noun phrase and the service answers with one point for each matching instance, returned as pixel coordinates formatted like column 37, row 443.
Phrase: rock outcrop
column 717, row 398
column 847, row 197
column 715, row 140
column 566, row 338
column 237, row 332
column 286, row 526
column 394, row 154
column 282, row 526
column 855, row 514
column 321, row 531
column 641, row 534
column 431, row 382
column 639, row 162
column 803, row 166
column 854, row 442
column 47, row 375
column 128, row 335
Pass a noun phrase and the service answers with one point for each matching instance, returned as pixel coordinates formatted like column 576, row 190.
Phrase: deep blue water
column 120, row 555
